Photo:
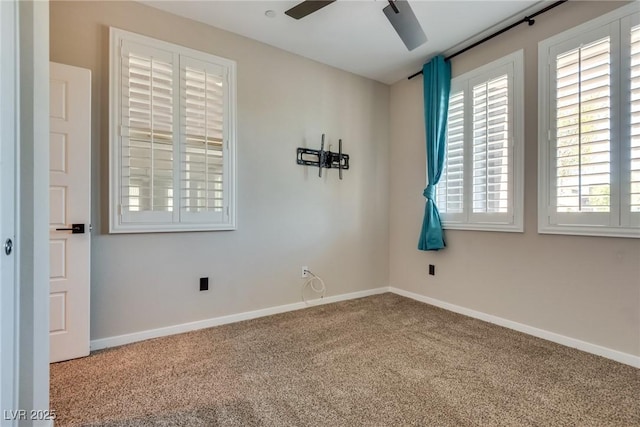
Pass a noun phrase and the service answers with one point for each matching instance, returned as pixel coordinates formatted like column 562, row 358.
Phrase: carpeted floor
column 379, row 361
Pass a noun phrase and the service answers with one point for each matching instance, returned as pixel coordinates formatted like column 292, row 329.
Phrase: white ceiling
column 354, row 35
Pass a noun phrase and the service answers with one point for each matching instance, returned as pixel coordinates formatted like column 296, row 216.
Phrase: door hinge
column 227, row 210
column 120, row 210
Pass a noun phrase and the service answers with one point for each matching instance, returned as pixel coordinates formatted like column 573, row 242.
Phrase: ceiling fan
column 398, row 12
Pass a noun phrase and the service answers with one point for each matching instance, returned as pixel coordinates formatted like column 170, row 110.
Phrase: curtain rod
column 528, row 19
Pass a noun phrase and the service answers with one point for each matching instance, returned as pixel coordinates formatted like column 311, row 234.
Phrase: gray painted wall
column 287, row 216
column 586, row 288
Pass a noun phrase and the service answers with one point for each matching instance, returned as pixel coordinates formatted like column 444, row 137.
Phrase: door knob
column 75, row 229
column 8, row 246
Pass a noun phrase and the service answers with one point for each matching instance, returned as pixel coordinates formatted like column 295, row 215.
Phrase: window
column 589, row 130
column 481, row 186
column 172, row 141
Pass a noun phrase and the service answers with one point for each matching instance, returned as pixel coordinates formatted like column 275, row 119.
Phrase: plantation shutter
column 590, row 128
column 491, row 197
column 635, row 120
column 171, row 137
column 450, row 189
column 484, row 159
column 203, row 88
column 147, row 134
column 583, row 128
column 491, row 146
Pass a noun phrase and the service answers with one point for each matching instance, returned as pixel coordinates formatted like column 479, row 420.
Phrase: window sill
column 594, row 231
column 172, row 228
column 508, row 228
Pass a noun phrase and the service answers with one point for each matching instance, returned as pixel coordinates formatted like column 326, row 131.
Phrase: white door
column 8, row 144
column 70, row 211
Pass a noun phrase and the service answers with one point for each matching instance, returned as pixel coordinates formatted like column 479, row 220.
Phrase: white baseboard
column 618, row 356
column 223, row 320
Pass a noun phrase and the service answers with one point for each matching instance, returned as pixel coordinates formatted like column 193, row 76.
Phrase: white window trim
column 545, row 225
column 115, row 224
column 515, row 224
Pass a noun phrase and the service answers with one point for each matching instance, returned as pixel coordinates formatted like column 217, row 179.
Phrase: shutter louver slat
column 635, row 120
column 449, row 194
column 583, row 124
column 147, row 117
column 203, row 134
column 490, row 163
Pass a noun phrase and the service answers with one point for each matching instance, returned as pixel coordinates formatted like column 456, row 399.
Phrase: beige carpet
column 378, row 361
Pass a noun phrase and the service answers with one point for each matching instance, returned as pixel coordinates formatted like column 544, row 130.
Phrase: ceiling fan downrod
column 393, row 6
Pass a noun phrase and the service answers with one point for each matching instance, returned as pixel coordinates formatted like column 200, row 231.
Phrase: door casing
column 8, row 144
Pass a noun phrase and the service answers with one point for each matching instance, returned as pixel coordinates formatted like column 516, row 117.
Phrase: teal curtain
column 437, row 86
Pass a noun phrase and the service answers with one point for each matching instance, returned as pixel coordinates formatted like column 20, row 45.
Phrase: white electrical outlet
column 304, row 272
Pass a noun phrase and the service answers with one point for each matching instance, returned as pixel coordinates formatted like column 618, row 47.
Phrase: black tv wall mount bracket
column 324, row 159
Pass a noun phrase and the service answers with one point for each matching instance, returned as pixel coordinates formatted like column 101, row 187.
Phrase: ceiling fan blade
column 307, row 7
column 405, row 23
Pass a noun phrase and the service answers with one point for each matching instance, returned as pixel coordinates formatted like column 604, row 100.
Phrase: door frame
column 32, row 207
column 8, row 192
column 24, row 45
